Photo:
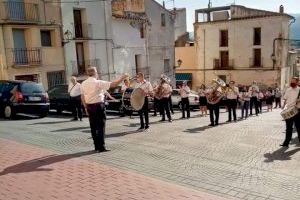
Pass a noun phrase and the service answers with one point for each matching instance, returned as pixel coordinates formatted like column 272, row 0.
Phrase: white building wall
column 160, row 40
column 98, row 15
column 127, row 44
column 240, row 43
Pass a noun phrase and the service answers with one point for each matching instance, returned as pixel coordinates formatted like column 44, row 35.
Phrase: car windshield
column 32, row 88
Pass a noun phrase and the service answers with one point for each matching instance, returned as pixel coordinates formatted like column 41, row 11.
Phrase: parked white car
column 193, row 97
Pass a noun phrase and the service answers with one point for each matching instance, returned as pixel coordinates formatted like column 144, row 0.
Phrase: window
column 46, row 38
column 257, row 58
column 142, row 32
column 166, row 65
column 224, row 38
column 163, row 19
column 257, row 36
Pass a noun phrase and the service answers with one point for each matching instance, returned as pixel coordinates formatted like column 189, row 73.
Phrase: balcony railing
column 256, row 63
column 14, row 11
column 26, row 56
column 83, row 31
column 225, row 66
column 79, row 67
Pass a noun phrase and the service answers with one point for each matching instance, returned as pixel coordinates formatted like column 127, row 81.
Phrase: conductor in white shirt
column 93, row 98
column 74, row 91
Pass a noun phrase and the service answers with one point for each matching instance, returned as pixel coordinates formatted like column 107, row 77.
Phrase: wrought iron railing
column 20, row 11
column 27, row 56
column 83, row 30
column 79, row 67
column 225, row 66
column 256, row 63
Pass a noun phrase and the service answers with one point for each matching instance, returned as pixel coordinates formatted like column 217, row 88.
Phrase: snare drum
column 289, row 112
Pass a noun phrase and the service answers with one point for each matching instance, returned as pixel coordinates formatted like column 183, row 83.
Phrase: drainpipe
column 204, row 63
column 106, row 45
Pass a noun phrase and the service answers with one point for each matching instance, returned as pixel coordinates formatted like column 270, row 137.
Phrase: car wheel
column 8, row 112
column 58, row 111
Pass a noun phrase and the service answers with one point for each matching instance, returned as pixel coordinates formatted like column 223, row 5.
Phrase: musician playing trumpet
column 148, row 91
column 292, row 98
column 232, row 95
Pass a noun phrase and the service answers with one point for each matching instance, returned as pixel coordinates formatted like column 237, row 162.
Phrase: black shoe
column 216, row 124
column 141, row 128
column 284, row 145
column 80, row 119
column 170, row 120
column 162, row 120
column 74, row 119
column 104, row 150
column 211, row 125
column 228, row 121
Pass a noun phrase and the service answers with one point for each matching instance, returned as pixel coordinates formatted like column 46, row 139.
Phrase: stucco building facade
column 236, row 43
column 30, row 42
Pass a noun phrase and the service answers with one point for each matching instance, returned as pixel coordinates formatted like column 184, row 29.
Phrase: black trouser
column 171, row 104
column 214, row 112
column 231, row 105
column 254, row 101
column 289, row 128
column 278, row 102
column 156, row 106
column 76, row 107
column 185, row 107
column 97, row 118
column 144, row 112
column 165, row 108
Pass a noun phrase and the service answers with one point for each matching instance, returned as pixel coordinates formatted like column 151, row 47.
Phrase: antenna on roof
column 209, row 4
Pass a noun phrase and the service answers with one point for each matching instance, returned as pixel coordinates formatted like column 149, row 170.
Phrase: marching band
column 210, row 97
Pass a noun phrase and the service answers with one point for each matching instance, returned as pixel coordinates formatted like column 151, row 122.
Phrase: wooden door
column 80, row 57
column 224, row 59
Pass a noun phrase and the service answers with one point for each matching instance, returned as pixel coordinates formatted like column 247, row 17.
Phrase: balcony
column 26, row 57
column 218, row 65
column 83, row 31
column 256, row 63
column 19, row 12
column 79, row 67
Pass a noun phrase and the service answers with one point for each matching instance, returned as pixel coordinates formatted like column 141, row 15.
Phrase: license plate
column 34, row 98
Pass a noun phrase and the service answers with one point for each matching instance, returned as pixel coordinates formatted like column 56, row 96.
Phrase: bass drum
column 133, row 99
column 126, row 99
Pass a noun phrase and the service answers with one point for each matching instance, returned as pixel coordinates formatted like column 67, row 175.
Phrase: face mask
column 293, row 85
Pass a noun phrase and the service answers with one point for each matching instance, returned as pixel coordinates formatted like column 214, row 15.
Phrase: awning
column 183, row 76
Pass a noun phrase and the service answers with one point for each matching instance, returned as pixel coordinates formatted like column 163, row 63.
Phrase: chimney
column 164, row 4
column 281, row 9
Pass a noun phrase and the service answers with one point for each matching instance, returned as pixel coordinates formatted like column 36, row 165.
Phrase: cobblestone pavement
column 36, row 174
column 240, row 160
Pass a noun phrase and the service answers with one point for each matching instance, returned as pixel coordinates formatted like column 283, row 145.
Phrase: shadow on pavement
column 38, row 163
column 120, row 134
column 51, row 122
column 280, row 154
column 70, row 129
column 203, row 128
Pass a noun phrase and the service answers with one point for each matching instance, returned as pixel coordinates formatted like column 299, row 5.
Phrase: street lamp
column 179, row 62
column 67, row 37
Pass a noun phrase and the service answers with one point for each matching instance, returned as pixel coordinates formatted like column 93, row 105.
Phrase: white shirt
column 74, row 90
column 123, row 87
column 166, row 90
column 233, row 93
column 184, row 91
column 146, row 86
column 290, row 96
column 94, row 90
column 245, row 96
column 254, row 90
column 201, row 93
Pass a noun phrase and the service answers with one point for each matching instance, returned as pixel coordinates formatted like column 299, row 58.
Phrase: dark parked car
column 23, row 97
column 59, row 98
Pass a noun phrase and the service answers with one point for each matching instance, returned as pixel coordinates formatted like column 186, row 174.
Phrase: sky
column 290, row 6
